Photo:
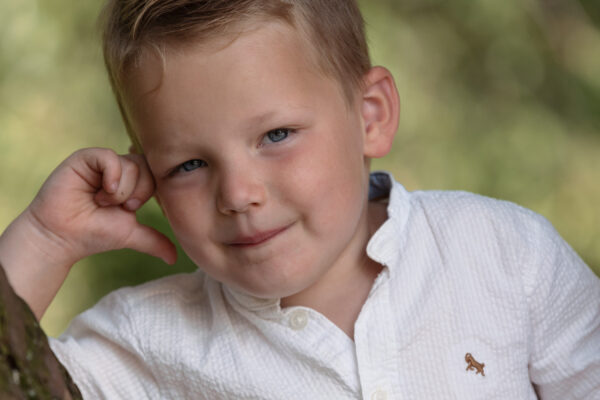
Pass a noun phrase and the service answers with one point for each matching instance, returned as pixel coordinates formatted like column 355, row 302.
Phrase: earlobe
column 380, row 112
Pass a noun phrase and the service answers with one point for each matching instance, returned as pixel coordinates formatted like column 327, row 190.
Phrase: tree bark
column 28, row 368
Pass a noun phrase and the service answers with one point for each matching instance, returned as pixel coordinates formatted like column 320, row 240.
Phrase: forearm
column 34, row 266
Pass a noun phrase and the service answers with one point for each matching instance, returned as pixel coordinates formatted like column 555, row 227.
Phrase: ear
column 380, row 108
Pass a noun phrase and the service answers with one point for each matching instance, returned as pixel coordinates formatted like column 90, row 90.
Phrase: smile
column 257, row 239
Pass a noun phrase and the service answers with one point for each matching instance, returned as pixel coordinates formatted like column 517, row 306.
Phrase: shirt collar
column 264, row 307
column 385, row 245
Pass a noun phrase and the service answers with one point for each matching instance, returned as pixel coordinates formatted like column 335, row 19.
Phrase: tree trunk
column 28, row 368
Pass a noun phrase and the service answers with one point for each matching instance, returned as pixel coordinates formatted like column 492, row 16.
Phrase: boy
column 253, row 124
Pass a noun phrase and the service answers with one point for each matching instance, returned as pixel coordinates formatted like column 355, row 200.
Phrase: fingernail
column 132, row 204
column 113, row 187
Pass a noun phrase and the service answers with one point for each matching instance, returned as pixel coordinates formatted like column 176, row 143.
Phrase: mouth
column 256, row 239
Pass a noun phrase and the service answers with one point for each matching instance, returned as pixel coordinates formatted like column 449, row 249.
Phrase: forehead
column 253, row 72
column 145, row 74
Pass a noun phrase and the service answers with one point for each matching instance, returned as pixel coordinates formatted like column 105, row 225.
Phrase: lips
column 257, row 238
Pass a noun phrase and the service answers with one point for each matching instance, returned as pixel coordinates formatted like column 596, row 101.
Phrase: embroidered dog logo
column 472, row 364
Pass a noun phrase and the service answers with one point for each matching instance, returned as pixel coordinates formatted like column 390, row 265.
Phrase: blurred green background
column 500, row 98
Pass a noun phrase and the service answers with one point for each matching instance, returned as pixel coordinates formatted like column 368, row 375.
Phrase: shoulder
column 155, row 301
column 499, row 239
column 130, row 309
column 454, row 206
column 469, row 216
column 109, row 349
column 466, row 229
column 496, row 238
column 184, row 287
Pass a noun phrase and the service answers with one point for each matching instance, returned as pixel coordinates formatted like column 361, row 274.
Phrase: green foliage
column 498, row 97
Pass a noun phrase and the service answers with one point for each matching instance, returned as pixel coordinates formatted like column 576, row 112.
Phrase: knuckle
column 130, row 168
column 100, row 151
column 108, row 154
column 92, row 153
column 81, row 154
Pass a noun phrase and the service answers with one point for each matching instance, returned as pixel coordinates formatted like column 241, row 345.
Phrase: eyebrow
column 264, row 117
column 261, row 118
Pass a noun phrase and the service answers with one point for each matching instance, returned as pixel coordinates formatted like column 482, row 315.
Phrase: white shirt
column 463, row 274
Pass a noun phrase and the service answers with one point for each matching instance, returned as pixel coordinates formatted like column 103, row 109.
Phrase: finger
column 148, row 240
column 125, row 187
column 145, row 186
column 98, row 167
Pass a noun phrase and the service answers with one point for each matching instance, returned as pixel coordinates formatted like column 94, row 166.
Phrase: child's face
column 258, row 161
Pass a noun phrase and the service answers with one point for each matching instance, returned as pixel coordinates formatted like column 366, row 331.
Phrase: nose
column 239, row 191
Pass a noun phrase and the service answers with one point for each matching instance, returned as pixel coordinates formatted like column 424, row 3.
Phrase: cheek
column 326, row 184
column 190, row 223
column 185, row 213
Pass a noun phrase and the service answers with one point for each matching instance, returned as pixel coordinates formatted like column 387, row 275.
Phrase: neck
column 341, row 293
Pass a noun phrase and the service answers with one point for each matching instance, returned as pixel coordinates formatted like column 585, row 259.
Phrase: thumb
column 150, row 241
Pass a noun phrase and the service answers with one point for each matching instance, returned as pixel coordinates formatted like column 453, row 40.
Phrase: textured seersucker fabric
column 464, row 274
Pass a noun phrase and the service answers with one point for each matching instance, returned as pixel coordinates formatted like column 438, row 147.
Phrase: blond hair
column 334, row 29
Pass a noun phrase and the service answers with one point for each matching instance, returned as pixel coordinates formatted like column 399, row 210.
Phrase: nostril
column 239, row 195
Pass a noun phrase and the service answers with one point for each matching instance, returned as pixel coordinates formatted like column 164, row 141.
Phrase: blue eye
column 277, row 135
column 192, row 165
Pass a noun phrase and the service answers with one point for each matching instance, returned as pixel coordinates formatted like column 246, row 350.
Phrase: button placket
column 373, row 345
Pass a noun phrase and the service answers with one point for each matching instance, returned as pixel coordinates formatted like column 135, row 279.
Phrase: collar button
column 298, row 319
column 379, row 395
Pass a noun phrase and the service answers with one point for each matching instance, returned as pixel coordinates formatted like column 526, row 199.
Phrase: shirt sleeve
column 100, row 351
column 564, row 307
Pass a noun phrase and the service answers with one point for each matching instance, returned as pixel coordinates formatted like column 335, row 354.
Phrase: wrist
column 35, row 264
column 27, row 242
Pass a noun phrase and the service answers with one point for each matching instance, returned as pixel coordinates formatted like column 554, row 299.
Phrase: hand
column 86, row 206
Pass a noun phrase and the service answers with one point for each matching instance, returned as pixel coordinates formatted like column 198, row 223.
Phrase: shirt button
column 379, row 395
column 298, row 320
